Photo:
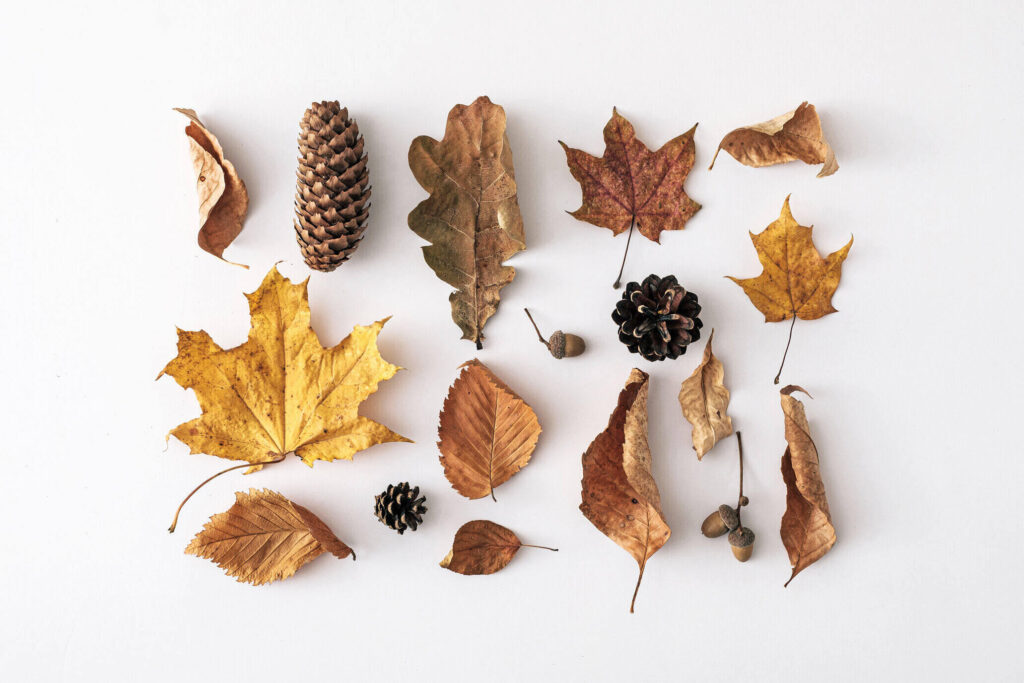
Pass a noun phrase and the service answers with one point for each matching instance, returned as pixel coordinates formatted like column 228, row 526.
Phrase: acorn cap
column 744, row 501
column 556, row 344
column 741, row 538
column 729, row 516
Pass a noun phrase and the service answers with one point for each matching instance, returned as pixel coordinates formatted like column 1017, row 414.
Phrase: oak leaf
column 483, row 547
column 795, row 281
column 620, row 496
column 281, row 391
column 807, row 530
column 705, row 400
column 265, row 537
column 487, row 433
column 471, row 218
column 794, row 136
column 223, row 199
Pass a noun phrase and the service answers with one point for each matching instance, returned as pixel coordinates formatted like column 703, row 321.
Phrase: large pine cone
column 400, row 507
column 657, row 318
column 332, row 194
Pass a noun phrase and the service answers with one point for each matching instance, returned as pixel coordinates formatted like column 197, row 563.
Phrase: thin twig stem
column 539, row 335
column 784, row 353
column 174, row 523
column 739, row 501
column 618, row 279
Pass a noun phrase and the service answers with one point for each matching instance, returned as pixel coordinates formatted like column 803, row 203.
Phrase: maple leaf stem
column 174, row 523
column 539, row 335
column 542, row 547
column 618, row 279
column 739, row 501
column 784, row 353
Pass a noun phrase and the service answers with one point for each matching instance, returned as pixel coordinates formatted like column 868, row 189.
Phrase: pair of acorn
column 727, row 519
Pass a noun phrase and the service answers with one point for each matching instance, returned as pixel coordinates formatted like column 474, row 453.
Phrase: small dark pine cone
column 400, row 507
column 657, row 318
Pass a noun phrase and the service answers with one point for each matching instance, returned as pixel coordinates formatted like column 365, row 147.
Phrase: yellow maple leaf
column 281, row 391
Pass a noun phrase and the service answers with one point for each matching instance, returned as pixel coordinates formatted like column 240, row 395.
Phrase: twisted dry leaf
column 620, row 496
column 807, row 530
column 704, row 400
column 265, row 537
column 794, row 136
column 795, row 281
column 281, row 391
column 487, row 433
column 223, row 199
column 483, row 547
column 471, row 218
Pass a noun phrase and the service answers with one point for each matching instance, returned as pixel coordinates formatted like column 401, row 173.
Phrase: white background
column 915, row 380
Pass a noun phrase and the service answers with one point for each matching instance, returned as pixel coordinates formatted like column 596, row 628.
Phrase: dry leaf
column 620, row 496
column 483, row 547
column 487, row 433
column 704, row 400
column 281, row 391
column 223, row 200
column 794, row 136
column 265, row 537
column 471, row 218
column 795, row 282
column 807, row 530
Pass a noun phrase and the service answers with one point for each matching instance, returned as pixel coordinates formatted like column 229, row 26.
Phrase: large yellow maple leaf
column 281, row 391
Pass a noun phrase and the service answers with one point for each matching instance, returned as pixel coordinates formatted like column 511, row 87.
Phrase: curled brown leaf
column 705, row 400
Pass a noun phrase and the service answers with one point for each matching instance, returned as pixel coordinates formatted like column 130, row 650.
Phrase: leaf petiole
column 174, row 522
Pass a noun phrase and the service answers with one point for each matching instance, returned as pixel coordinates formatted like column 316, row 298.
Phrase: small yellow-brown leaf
column 705, row 400
column 223, row 199
column 807, row 530
column 486, row 433
column 482, row 547
column 793, row 136
column 265, row 537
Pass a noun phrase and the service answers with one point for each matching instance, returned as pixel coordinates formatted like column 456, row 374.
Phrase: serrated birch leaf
column 483, row 547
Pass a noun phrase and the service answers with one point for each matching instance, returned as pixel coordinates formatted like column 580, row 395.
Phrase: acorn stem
column 618, row 279
column 786, row 352
column 539, row 335
column 739, row 501
column 174, row 522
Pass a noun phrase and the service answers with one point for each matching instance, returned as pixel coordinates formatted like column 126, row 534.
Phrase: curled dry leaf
column 281, row 391
column 265, row 537
column 807, row 530
column 794, row 136
column 620, row 496
column 486, row 434
column 483, row 547
column 223, row 200
column 471, row 218
column 705, row 400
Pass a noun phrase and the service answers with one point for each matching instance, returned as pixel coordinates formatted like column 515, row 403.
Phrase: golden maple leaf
column 281, row 391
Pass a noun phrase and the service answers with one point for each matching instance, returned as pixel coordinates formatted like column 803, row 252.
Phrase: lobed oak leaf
column 281, row 391
column 487, row 433
column 807, row 530
column 471, row 218
column 223, row 199
column 483, row 547
column 704, row 400
column 265, row 537
column 620, row 496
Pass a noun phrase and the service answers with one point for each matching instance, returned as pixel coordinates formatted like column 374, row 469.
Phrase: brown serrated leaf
column 794, row 136
column 265, row 537
column 223, row 199
column 705, row 400
column 620, row 496
column 483, row 547
column 471, row 218
column 487, row 432
column 807, row 530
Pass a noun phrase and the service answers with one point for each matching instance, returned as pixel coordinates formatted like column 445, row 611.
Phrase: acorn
column 742, row 542
column 720, row 521
column 560, row 344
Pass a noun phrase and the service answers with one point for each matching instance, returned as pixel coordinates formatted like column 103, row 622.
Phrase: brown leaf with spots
column 807, row 530
column 265, row 537
column 483, row 547
column 486, row 433
column 794, row 136
column 223, row 199
column 705, row 400
column 620, row 496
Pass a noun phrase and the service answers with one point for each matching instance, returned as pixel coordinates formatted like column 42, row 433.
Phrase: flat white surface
column 915, row 380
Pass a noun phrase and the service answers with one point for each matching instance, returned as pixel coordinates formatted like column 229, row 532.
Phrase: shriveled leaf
column 281, row 391
column 482, row 547
column 632, row 183
column 265, row 537
column 223, row 199
column 471, row 218
column 705, row 400
column 807, row 530
column 487, row 433
column 794, row 136
column 620, row 496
